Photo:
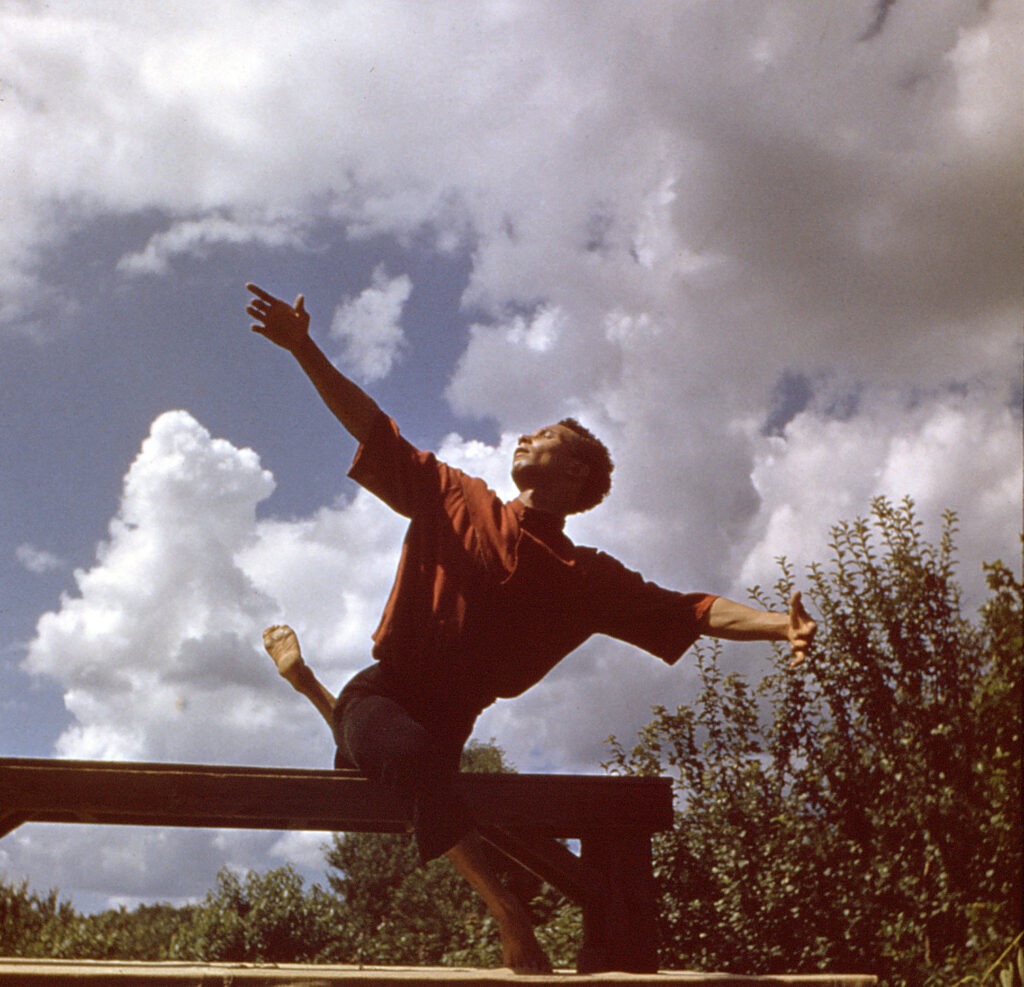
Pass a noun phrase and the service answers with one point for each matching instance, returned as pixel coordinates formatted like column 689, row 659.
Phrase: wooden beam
column 42, row 790
column 522, row 815
column 9, row 821
column 549, row 860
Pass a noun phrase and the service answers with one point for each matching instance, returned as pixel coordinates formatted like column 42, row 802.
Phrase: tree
column 862, row 813
column 29, row 922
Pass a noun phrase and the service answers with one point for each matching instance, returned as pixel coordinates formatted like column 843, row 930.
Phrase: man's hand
column 733, row 621
column 283, row 324
column 288, row 327
column 801, row 630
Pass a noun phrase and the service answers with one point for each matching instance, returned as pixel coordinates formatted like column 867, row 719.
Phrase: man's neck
column 535, row 500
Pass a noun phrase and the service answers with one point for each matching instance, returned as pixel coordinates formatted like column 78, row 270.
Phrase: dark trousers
column 381, row 739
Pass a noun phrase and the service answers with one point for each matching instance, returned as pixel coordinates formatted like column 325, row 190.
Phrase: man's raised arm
column 288, row 327
column 736, row 622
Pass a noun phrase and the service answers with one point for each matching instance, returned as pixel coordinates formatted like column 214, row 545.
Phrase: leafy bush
column 32, row 925
column 29, row 923
column 266, row 918
column 862, row 813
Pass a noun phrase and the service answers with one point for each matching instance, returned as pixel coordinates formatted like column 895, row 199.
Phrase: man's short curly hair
column 593, row 453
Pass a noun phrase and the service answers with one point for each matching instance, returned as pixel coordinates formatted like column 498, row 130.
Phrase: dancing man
column 489, row 596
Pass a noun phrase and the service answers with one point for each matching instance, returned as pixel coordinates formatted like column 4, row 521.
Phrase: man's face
column 543, row 453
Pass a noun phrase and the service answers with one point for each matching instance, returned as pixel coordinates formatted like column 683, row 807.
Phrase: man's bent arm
column 288, row 327
column 733, row 621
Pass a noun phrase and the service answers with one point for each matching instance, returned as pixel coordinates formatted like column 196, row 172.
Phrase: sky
column 768, row 250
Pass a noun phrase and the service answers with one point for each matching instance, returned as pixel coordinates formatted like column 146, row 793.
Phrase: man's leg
column 386, row 743
column 283, row 646
column 399, row 756
column 519, row 948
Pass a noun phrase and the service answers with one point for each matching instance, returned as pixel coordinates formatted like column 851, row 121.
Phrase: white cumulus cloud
column 159, row 653
column 155, row 651
column 952, row 452
column 368, row 328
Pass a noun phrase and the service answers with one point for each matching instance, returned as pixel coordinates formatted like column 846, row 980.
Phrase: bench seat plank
column 102, row 792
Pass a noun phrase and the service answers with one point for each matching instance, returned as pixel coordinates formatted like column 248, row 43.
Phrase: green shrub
column 861, row 813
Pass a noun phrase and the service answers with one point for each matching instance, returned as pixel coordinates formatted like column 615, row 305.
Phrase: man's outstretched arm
column 288, row 327
column 732, row 621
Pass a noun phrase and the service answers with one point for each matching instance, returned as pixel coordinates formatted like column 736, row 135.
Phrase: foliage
column 44, row 926
column 268, row 918
column 29, row 922
column 861, row 813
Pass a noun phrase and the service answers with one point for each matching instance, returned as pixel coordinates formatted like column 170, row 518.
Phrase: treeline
column 860, row 814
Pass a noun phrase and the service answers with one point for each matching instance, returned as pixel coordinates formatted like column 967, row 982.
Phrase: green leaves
column 33, row 925
column 266, row 918
column 863, row 812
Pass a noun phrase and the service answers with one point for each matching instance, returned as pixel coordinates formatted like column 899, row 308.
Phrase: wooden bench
column 523, row 815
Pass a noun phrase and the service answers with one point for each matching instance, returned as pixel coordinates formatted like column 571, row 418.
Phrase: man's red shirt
column 491, row 595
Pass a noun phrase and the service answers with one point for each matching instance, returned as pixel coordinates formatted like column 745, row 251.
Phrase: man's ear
column 577, row 470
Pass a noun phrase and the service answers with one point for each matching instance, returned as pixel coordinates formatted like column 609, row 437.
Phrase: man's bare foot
column 520, row 951
column 283, row 646
column 519, row 948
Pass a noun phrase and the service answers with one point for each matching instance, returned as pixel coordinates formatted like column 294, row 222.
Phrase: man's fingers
column 799, row 617
column 260, row 293
column 266, row 306
column 802, row 629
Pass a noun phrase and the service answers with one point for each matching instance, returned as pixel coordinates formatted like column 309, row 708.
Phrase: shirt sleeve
column 407, row 479
column 661, row 621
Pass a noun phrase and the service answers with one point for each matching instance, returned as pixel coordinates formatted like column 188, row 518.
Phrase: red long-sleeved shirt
column 490, row 595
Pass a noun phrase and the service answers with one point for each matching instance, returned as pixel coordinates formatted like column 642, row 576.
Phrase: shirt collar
column 537, row 522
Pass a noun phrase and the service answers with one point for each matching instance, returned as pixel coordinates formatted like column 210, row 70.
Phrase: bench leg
column 620, row 931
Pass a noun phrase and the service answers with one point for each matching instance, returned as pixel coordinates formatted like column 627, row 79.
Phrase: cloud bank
column 769, row 251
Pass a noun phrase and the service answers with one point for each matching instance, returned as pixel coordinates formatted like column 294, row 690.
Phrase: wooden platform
column 56, row 973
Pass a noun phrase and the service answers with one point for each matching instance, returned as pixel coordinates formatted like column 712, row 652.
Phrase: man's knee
column 382, row 740
column 414, row 764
